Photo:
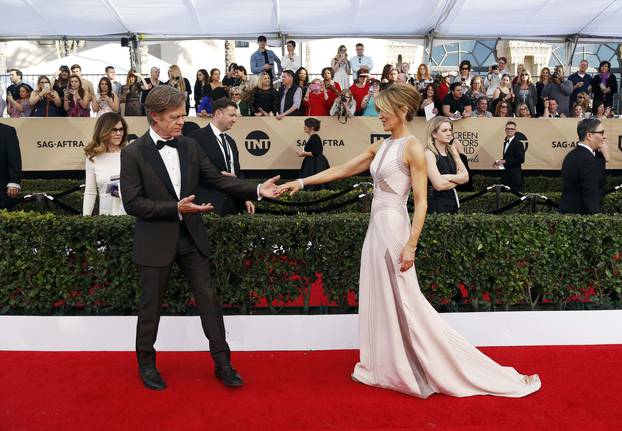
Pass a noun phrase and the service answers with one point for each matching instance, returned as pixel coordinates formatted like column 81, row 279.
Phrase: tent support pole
column 134, row 46
column 429, row 44
column 571, row 47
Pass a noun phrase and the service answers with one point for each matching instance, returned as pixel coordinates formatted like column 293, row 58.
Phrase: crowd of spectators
column 279, row 86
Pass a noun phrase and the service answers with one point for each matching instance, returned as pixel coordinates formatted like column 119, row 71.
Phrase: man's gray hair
column 162, row 98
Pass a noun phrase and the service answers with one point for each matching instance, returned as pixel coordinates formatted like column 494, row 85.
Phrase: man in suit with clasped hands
column 513, row 157
column 10, row 166
column 222, row 151
column 160, row 173
column 582, row 171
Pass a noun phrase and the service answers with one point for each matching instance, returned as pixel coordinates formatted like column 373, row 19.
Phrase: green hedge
column 612, row 203
column 82, row 265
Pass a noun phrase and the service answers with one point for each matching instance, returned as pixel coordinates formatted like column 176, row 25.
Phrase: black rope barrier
column 42, row 197
column 317, row 201
column 313, row 210
column 612, row 190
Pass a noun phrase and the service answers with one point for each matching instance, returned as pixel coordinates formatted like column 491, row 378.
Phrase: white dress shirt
column 356, row 62
column 591, row 151
column 170, row 157
column 222, row 150
column 292, row 64
column 507, row 144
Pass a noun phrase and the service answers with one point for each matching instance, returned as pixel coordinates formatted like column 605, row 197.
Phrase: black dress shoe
column 229, row 376
column 152, row 379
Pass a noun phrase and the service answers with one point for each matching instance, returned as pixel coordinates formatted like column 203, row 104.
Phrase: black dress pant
column 154, row 280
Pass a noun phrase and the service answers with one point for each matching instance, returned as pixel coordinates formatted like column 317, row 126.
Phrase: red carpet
column 296, row 390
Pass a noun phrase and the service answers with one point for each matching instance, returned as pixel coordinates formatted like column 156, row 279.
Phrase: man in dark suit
column 10, row 165
column 160, row 173
column 582, row 170
column 513, row 157
column 220, row 148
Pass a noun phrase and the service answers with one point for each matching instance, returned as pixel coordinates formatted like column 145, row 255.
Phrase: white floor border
column 319, row 332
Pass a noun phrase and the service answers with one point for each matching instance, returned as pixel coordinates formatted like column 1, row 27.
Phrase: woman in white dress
column 341, row 67
column 404, row 343
column 103, row 165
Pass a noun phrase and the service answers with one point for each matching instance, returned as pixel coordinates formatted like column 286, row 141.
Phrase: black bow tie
column 171, row 143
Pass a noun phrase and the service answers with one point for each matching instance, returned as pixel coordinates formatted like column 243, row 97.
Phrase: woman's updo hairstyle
column 397, row 97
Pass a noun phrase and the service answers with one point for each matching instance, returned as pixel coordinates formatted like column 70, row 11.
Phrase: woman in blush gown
column 404, row 343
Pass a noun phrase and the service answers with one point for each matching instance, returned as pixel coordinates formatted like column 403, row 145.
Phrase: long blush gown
column 404, row 343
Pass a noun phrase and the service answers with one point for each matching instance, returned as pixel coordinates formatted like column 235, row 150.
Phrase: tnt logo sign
column 257, row 143
column 375, row 137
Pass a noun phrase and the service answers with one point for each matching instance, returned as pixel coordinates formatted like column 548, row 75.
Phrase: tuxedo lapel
column 152, row 156
column 184, row 166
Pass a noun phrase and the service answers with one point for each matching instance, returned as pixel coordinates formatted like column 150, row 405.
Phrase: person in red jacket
column 317, row 99
column 360, row 88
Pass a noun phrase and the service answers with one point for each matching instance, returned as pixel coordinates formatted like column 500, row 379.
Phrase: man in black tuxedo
column 220, row 148
column 10, row 165
column 582, row 170
column 160, row 173
column 513, row 157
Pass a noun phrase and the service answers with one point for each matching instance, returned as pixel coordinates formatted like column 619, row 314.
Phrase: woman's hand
column 292, row 187
column 407, row 257
column 300, row 152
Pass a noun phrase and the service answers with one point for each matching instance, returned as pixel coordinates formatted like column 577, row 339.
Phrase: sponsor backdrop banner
column 50, row 144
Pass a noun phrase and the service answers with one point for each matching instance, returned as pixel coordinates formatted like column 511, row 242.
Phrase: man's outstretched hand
column 187, row 206
column 269, row 189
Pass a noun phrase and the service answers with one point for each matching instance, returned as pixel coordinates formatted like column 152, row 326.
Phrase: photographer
column 560, row 89
column 344, row 105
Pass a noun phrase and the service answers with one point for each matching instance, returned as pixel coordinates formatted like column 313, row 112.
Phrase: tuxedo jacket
column 514, row 157
column 10, row 161
column 208, row 193
column 581, row 183
column 148, row 194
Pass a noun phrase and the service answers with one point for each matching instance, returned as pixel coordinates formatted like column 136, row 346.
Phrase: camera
column 343, row 98
column 495, row 67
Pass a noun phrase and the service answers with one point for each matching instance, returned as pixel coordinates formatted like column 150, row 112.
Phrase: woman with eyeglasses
column 175, row 79
column 240, row 98
column 46, row 101
column 604, row 84
column 103, row 165
column 464, row 76
column 503, row 110
column 545, row 76
column 342, row 68
column 523, row 111
column 525, row 92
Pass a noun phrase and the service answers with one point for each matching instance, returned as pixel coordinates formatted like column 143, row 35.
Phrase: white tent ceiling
column 312, row 18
